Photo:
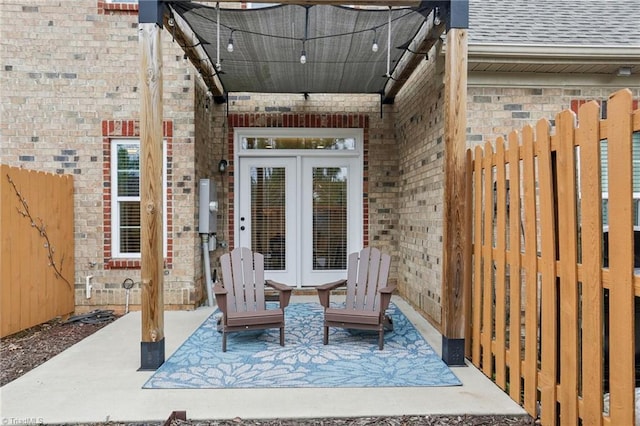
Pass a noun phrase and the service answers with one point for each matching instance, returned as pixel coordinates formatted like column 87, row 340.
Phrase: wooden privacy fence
column 36, row 248
column 549, row 323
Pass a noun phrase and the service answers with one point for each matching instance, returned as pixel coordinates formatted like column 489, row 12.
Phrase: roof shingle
column 555, row 22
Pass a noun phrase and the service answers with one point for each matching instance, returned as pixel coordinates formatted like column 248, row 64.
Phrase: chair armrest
column 283, row 290
column 218, row 289
column 277, row 286
column 385, row 297
column 389, row 289
column 332, row 285
column 221, row 297
column 324, row 291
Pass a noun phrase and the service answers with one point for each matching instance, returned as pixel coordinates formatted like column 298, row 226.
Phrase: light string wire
column 256, row 33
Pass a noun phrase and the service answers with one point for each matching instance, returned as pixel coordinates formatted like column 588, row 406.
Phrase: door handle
column 242, row 228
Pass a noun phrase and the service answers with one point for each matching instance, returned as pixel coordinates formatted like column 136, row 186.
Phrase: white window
column 125, row 198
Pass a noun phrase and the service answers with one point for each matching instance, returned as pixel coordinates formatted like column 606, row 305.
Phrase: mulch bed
column 23, row 351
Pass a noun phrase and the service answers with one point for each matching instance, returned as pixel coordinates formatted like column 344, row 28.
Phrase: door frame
column 356, row 235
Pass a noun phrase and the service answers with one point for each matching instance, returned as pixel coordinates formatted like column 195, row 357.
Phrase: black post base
column 151, row 355
column 453, row 352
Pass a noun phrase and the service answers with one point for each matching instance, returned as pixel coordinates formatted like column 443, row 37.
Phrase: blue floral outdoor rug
column 256, row 360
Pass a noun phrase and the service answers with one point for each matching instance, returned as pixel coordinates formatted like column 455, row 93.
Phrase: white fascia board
column 537, row 80
column 492, row 52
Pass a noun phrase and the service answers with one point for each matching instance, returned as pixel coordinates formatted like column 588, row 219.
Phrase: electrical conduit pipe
column 207, row 267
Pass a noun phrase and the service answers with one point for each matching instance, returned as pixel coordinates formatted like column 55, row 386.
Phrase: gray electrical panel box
column 208, row 211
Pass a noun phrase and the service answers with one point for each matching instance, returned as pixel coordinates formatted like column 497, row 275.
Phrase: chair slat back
column 352, row 278
column 243, row 277
column 367, row 272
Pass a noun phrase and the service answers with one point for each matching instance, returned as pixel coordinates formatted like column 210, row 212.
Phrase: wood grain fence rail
column 548, row 322
column 36, row 248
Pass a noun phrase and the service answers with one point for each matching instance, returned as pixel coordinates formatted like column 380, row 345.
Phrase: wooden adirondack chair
column 368, row 295
column 241, row 299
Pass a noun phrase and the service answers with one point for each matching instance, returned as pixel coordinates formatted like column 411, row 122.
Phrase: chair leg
column 281, row 336
column 224, row 341
column 325, row 340
column 381, row 338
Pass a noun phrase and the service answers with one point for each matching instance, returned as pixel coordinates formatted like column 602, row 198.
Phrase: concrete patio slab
column 97, row 380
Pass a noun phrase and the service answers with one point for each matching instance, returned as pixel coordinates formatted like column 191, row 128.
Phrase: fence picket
column 591, row 244
column 477, row 258
column 487, row 270
column 567, row 271
column 621, row 293
column 530, row 271
column 500, row 213
column 468, row 250
column 515, row 275
column 548, row 256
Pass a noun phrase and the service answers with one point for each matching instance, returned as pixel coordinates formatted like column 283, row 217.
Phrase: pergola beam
column 427, row 37
column 196, row 55
column 334, row 2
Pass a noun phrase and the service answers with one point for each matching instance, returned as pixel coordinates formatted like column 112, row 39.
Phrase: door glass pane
column 340, row 144
column 268, row 207
column 329, row 218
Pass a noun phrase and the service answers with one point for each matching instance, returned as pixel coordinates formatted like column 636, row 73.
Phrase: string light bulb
column 374, row 46
column 230, row 45
column 303, row 54
column 436, row 17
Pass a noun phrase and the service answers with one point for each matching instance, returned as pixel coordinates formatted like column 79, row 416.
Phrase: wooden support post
column 151, row 194
column 454, row 223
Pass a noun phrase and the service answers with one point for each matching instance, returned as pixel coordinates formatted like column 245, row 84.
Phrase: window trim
column 130, row 129
column 115, row 199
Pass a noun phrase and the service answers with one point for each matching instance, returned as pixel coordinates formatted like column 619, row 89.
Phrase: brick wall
column 418, row 131
column 67, row 68
column 496, row 111
column 210, row 148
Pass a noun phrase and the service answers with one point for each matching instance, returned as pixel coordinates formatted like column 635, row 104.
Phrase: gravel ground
column 24, row 351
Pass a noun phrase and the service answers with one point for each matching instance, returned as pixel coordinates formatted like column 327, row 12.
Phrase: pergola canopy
column 337, row 41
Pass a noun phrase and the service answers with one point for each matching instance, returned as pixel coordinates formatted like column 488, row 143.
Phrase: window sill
column 123, row 264
column 118, row 7
column 131, row 264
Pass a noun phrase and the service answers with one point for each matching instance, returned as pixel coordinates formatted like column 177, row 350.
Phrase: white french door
column 266, row 219
column 303, row 212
